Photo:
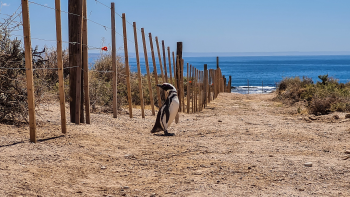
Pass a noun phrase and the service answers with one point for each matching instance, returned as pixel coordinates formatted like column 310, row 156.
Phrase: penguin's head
column 167, row 87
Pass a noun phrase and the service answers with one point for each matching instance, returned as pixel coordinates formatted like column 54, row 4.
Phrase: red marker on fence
column 104, row 48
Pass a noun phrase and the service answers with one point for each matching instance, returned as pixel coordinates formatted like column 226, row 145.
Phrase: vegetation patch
column 321, row 97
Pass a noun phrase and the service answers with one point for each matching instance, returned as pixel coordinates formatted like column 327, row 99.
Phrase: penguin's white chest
column 173, row 109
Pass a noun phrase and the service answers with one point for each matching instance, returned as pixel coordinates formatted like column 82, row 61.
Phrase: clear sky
column 207, row 25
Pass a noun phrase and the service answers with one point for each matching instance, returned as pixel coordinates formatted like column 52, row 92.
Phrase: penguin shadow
column 164, row 135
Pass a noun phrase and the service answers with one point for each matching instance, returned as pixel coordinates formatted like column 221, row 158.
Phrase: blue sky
column 207, row 25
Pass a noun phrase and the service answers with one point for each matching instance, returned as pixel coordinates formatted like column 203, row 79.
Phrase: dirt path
column 241, row 145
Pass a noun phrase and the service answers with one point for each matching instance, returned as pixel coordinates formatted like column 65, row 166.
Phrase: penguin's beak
column 159, row 85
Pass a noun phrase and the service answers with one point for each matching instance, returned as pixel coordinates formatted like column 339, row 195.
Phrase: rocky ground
column 240, row 145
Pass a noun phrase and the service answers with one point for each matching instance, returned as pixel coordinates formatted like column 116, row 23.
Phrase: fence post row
column 202, row 86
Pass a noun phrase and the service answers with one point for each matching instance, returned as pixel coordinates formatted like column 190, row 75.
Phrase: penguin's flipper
column 177, row 118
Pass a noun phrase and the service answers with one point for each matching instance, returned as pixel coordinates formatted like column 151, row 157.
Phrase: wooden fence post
column 155, row 70
column 217, row 62
column 86, row 65
column 60, row 65
column 178, row 78
column 209, row 85
column 188, row 90
column 127, row 69
column 147, row 68
column 139, row 71
column 178, row 67
column 75, row 21
column 229, row 85
column 182, row 85
column 114, row 63
column 205, row 83
column 200, row 91
column 170, row 73
column 29, row 70
column 174, row 68
column 164, row 61
column 193, row 90
column 224, row 78
column 160, row 60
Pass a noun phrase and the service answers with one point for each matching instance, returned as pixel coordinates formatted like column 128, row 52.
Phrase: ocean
column 264, row 72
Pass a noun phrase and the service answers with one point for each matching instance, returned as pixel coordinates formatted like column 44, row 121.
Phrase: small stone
column 347, row 152
column 219, row 120
column 301, row 189
column 308, row 164
column 270, row 155
column 103, row 167
column 347, row 115
column 336, row 117
column 126, row 187
column 153, row 195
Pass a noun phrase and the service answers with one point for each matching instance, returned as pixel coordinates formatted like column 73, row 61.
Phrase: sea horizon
column 265, row 70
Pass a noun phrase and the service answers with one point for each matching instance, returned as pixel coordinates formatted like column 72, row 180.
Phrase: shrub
column 323, row 97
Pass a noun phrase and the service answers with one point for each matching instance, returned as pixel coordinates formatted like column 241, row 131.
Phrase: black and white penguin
column 168, row 111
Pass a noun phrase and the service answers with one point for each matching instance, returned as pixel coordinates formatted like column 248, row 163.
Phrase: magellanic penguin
column 168, row 111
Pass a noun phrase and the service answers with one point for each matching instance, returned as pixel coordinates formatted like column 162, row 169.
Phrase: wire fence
column 195, row 90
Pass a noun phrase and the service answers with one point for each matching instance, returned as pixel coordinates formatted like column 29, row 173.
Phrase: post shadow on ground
column 39, row 140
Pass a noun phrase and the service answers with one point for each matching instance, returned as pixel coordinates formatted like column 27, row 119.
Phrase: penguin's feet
column 168, row 134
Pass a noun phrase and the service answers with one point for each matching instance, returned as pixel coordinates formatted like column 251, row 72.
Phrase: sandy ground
column 241, row 145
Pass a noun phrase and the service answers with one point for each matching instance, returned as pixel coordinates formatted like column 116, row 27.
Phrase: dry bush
column 13, row 91
column 322, row 98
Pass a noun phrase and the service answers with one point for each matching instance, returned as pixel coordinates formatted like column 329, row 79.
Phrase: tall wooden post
column 164, row 61
column 86, row 66
column 188, row 89
column 174, row 68
column 127, row 69
column 205, row 84
column 75, row 21
column 178, row 79
column 114, row 63
column 139, row 71
column 178, row 67
column 155, row 70
column 209, row 85
column 147, row 68
column 175, row 72
column 160, row 60
column 169, row 59
column 193, row 89
column 182, row 85
column 60, row 65
column 29, row 69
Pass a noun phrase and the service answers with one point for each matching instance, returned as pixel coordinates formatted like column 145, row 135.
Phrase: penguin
column 168, row 111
